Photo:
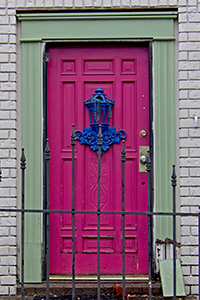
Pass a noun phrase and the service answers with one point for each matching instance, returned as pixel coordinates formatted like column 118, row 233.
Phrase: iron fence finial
column 123, row 152
column 47, row 150
column 173, row 178
column 23, row 160
column 73, row 137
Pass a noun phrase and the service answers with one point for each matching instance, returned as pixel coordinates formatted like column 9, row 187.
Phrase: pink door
column 74, row 73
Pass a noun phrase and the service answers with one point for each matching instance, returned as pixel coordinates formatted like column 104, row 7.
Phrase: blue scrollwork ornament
column 99, row 108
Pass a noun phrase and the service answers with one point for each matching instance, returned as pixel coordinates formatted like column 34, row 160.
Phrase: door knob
column 143, row 159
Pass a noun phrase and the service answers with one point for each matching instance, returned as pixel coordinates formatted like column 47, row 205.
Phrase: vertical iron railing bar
column 123, row 159
column 173, row 183
column 148, row 168
column 199, row 250
column 23, row 167
column 73, row 143
column 47, row 159
column 99, row 143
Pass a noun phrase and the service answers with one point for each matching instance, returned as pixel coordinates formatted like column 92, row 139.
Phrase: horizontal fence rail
column 150, row 214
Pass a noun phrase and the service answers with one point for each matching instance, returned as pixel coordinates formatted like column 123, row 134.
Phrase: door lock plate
column 143, row 152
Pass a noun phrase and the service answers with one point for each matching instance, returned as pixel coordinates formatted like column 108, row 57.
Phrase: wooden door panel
column 74, row 73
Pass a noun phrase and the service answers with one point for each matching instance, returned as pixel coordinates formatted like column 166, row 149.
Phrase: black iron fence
column 150, row 214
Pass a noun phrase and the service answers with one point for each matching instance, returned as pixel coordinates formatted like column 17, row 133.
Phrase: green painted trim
column 165, row 39
column 136, row 39
column 33, row 32
column 98, row 29
column 31, row 141
column 164, row 133
column 30, row 40
column 93, row 15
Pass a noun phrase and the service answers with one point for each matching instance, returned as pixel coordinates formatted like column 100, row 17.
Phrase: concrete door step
column 130, row 297
column 64, row 287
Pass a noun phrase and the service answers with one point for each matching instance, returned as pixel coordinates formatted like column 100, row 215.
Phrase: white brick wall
column 8, row 147
column 189, row 106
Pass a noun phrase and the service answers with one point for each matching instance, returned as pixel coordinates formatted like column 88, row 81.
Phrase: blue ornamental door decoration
column 99, row 108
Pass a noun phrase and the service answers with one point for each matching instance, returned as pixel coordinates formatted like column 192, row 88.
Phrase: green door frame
column 40, row 28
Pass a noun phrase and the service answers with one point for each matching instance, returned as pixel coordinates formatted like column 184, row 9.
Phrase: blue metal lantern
column 99, row 108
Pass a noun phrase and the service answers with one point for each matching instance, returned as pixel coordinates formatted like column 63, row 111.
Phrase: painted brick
column 190, row 143
column 154, row 3
column 4, row 270
column 39, row 3
column 49, row 3
column 4, row 231
column 172, row 2
column 8, row 261
column 88, row 3
column 190, row 201
column 183, row 17
column 186, row 250
column 3, row 134
column 3, row 290
column 20, row 3
column 4, row 250
column 183, row 95
column 191, row 280
column 183, row 74
column 195, row 270
column 145, row 3
column 184, row 191
column 12, row 290
column 185, row 84
column 190, row 162
column 78, row 3
column 12, row 12
column 3, row 3
column 185, row 230
column 184, row 153
column 4, row 57
column 195, row 172
column 125, row 3
column 116, row 3
column 194, row 112
column 11, row 67
column 194, row 290
column 184, row 133
column 184, row 172
column 194, row 191
column 190, row 221
column 8, row 280
column 12, row 249
column 4, row 153
column 194, row 230
column 106, row 3
column 58, row 3
column 10, row 3
column 194, row 55
column 186, row 270
column 7, row 203
column 189, row 260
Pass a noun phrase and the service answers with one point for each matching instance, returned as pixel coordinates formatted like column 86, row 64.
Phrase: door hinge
column 46, row 57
